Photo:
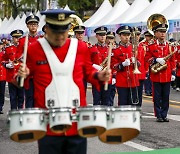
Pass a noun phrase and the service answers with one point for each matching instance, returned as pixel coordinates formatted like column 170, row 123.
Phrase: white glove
column 133, row 59
column 126, row 62
column 161, row 61
column 9, row 65
column 113, row 81
column 173, row 78
column 98, row 67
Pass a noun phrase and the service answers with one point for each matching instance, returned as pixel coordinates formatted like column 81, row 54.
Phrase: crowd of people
column 134, row 70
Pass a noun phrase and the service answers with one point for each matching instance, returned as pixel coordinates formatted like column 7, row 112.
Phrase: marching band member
column 79, row 32
column 12, row 66
column 76, row 70
column 99, row 54
column 178, row 69
column 157, row 50
column 147, row 83
column 126, row 81
column 2, row 79
column 141, row 57
column 32, row 22
column 110, row 38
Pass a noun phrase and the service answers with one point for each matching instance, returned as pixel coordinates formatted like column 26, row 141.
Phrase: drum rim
column 90, row 108
column 61, row 109
column 27, row 111
column 124, row 108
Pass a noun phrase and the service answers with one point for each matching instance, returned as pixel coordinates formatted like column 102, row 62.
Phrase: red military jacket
column 125, row 76
column 178, row 61
column 156, row 50
column 2, row 68
column 95, row 54
column 141, row 57
column 20, row 47
column 10, row 55
column 39, row 68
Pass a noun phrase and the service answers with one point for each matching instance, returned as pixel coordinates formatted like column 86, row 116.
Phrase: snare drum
column 27, row 125
column 123, row 124
column 91, row 121
column 60, row 119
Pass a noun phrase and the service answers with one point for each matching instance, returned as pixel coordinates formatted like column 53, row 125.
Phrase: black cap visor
column 59, row 29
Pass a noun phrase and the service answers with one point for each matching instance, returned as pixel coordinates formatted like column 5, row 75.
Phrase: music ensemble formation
column 47, row 78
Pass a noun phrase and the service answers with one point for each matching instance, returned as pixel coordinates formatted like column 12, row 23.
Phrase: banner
column 174, row 26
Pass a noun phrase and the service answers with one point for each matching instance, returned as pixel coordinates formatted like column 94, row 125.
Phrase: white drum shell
column 124, row 119
column 29, row 120
column 57, row 117
column 92, row 118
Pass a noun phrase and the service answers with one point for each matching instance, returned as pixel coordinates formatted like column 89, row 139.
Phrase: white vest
column 62, row 91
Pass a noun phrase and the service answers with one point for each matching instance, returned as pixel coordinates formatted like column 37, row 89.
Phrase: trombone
column 135, row 50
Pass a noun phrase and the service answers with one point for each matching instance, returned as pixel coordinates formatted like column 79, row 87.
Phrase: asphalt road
column 153, row 135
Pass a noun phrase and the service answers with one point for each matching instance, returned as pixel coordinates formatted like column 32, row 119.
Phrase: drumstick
column 108, row 63
column 21, row 83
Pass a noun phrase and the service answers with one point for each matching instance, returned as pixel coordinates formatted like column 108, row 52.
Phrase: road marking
column 137, row 146
column 172, row 101
column 175, row 106
column 170, row 116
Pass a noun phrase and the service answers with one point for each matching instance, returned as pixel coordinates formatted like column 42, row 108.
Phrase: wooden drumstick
column 108, row 63
column 21, row 82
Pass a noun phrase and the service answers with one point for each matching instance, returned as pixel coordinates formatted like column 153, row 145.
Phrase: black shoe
column 159, row 120
column 1, row 112
column 165, row 119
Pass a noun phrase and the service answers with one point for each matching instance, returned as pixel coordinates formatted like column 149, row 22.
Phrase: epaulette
column 151, row 42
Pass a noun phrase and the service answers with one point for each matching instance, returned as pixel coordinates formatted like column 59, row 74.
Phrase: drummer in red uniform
column 12, row 65
column 122, row 61
column 76, row 66
column 32, row 22
column 157, row 50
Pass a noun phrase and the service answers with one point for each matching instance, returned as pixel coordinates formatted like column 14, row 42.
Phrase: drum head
column 28, row 136
column 118, row 135
column 91, row 131
column 60, row 128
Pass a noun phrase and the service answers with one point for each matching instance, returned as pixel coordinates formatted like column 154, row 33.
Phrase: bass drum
column 27, row 125
column 123, row 124
column 91, row 121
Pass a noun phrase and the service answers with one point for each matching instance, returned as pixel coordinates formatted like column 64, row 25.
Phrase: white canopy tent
column 172, row 10
column 7, row 24
column 120, row 7
column 177, row 17
column 12, row 26
column 156, row 6
column 41, row 22
column 103, row 10
column 38, row 14
column 3, row 24
column 67, row 8
column 132, row 11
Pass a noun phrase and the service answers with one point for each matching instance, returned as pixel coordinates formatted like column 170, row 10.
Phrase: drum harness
column 62, row 91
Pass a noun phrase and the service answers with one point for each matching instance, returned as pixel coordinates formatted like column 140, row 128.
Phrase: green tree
column 78, row 5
